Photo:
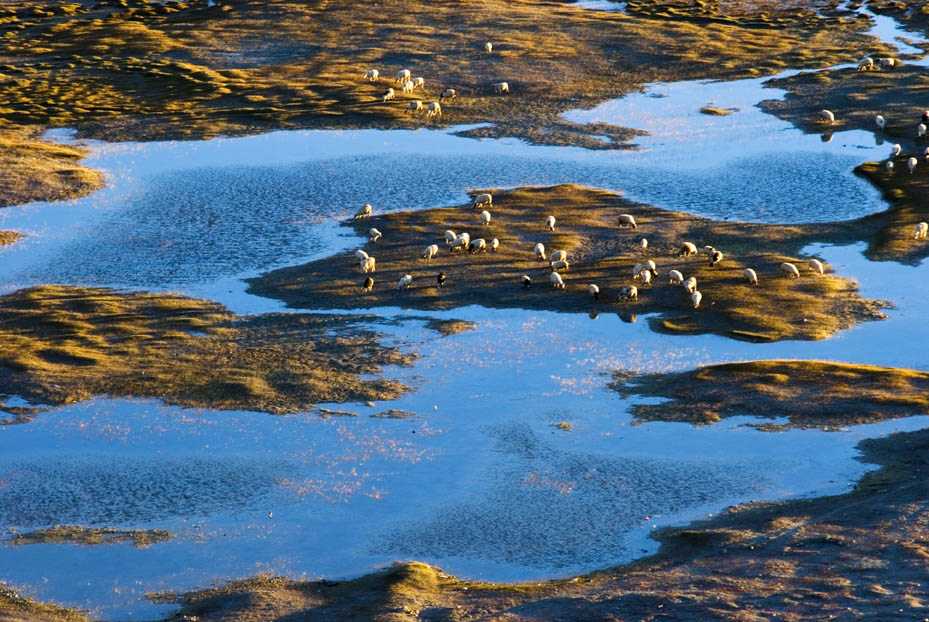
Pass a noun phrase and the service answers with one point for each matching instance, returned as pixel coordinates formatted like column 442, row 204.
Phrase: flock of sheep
column 642, row 273
column 408, row 84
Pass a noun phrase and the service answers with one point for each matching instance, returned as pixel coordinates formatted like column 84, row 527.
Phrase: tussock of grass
column 812, row 307
column 60, row 345
column 68, row 534
column 807, row 393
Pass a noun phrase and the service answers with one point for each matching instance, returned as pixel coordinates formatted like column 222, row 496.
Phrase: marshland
column 205, row 415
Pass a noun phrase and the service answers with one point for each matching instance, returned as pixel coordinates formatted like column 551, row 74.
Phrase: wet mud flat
column 599, row 251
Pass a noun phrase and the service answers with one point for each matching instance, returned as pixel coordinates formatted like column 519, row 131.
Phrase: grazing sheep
column 368, row 285
column 560, row 265
column 636, row 269
column 360, row 255
column 690, row 285
column 464, row 235
column 790, row 271
column 816, row 266
column 488, row 47
column 431, row 251
column 557, row 281
column 922, row 230
column 921, row 130
column 405, row 281
column 826, row 117
column 419, row 82
column 494, row 245
column 887, row 63
column 926, row 153
column 414, row 107
column 434, row 110
column 459, row 243
column 627, row 220
column 482, row 200
column 363, row 212
column 750, row 276
column 889, row 166
column 675, row 277
column 558, row 256
column 539, row 250
column 593, row 291
column 448, row 94
column 407, row 86
column 526, row 281
column 374, row 235
column 485, row 218
column 708, row 251
column 449, row 237
column 652, row 267
column 715, row 258
column 895, row 150
column 440, row 279
column 866, row 64
column 550, row 223
column 403, row 76
column 501, row 87
column 644, row 244
column 369, row 265
column 911, row 164
column 880, row 121
column 630, row 292
column 645, row 277
column 925, row 117
column 696, row 298
column 477, row 246
column 688, row 249
column 372, row 75
column 388, row 95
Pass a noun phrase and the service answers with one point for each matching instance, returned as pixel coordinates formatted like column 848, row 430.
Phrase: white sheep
column 866, row 64
column 644, row 244
column 369, row 265
column 364, row 211
column 494, row 245
column 690, row 285
column 708, row 251
column 922, row 230
column 550, row 223
column 816, row 266
column 388, row 95
column 464, row 235
column 459, row 243
column 789, row 270
column 374, row 235
column 414, row 106
column 826, row 117
column 431, row 251
column 482, row 200
column 526, row 281
column 652, row 267
column 405, row 281
column 636, row 269
column 560, row 265
column 360, row 255
column 880, row 121
column 539, row 250
column 372, row 75
column 715, row 258
column 886, row 63
column 558, row 256
column 434, row 110
column 889, row 166
column 368, row 285
column 485, row 218
column 501, row 87
column 675, row 277
column 688, row 249
column 696, row 298
column 895, row 150
column 921, row 130
column 448, row 94
column 403, row 76
column 630, row 292
column 449, row 237
column 488, row 47
column 750, row 276
column 911, row 164
column 645, row 277
column 926, row 153
column 477, row 246
column 407, row 86
column 419, row 82
column 627, row 220
column 593, row 291
column 557, row 281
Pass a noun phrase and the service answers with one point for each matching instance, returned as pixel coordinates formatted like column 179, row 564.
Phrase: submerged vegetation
column 60, row 345
column 807, row 393
column 812, row 307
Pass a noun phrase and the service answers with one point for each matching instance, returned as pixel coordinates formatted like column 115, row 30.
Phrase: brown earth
column 808, row 393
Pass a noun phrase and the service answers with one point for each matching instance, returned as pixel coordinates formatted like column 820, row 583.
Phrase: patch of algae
column 60, row 345
column 811, row 307
column 807, row 393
